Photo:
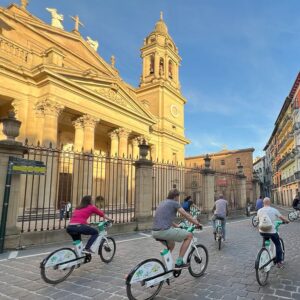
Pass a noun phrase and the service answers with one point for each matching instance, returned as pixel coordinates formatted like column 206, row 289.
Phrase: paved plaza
column 230, row 273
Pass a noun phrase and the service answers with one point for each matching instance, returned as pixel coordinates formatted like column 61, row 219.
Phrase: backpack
column 186, row 205
column 265, row 223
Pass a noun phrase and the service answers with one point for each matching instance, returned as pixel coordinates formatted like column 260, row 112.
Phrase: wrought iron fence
column 189, row 181
column 71, row 175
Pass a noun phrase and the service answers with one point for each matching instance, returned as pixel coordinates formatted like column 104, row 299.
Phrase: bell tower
column 159, row 91
column 160, row 57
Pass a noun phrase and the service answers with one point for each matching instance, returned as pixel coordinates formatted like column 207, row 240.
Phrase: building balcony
column 297, row 175
column 288, row 158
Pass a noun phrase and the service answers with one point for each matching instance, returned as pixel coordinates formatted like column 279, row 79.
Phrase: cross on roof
column 77, row 23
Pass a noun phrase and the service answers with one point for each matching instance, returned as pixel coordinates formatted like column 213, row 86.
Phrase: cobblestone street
column 230, row 273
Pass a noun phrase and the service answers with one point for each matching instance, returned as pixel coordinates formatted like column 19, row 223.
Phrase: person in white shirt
column 273, row 214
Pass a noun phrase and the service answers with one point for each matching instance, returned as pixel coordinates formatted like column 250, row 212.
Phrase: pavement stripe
column 144, row 234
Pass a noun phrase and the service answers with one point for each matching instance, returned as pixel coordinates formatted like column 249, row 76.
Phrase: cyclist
column 220, row 211
column 270, row 214
column 78, row 224
column 259, row 203
column 164, row 227
column 296, row 203
column 188, row 203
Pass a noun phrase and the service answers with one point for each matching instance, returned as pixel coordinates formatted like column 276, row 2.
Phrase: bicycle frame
column 79, row 246
column 168, row 261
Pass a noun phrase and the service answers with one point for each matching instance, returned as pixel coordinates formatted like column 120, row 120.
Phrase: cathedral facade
column 65, row 93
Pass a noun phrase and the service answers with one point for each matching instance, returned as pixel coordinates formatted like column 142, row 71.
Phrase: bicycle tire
column 292, row 217
column 262, row 257
column 189, row 260
column 282, row 247
column 254, row 221
column 135, row 270
column 43, row 266
column 219, row 243
column 102, row 249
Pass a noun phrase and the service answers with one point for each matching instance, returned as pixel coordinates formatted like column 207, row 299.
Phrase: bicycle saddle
column 220, row 218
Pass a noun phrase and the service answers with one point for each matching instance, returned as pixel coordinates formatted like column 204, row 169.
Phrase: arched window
column 151, row 64
column 161, row 67
column 170, row 69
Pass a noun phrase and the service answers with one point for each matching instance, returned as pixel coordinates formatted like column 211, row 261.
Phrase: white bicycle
column 294, row 215
column 58, row 265
column 146, row 279
column 266, row 258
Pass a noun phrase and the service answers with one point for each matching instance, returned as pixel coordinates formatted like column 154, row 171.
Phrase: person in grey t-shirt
column 164, row 227
column 220, row 211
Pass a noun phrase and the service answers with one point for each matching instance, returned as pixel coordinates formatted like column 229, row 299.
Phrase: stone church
column 65, row 93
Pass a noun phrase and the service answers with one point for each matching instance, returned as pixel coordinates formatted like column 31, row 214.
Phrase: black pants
column 75, row 231
column 275, row 239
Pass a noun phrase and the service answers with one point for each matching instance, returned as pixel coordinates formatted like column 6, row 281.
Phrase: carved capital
column 135, row 142
column 78, row 124
column 113, row 134
column 48, row 107
column 89, row 121
column 123, row 133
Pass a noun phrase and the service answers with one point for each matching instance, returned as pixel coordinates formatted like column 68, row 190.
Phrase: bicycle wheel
column 292, row 216
column 136, row 286
column 282, row 247
column 254, row 221
column 53, row 273
column 198, row 260
column 107, row 249
column 262, row 274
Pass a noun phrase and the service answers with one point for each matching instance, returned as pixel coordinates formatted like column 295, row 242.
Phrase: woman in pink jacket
column 78, row 224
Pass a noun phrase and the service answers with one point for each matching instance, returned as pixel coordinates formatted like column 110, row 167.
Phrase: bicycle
column 294, row 215
column 59, row 264
column 266, row 258
column 218, row 234
column 146, row 279
column 254, row 220
column 196, row 213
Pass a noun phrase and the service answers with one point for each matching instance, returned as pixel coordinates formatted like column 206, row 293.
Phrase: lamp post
column 207, row 160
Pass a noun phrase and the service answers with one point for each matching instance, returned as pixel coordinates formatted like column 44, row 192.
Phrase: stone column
column 51, row 110
column 78, row 162
column 10, row 147
column 123, row 142
column 39, row 125
column 143, row 191
column 2, row 135
column 79, row 136
column 153, row 155
column 156, row 65
column 114, row 145
column 135, row 148
column 208, row 185
column 89, row 125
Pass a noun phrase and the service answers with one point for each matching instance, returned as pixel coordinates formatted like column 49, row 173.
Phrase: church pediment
column 119, row 96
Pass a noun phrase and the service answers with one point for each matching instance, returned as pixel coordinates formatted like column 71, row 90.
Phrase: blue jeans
column 223, row 224
column 275, row 239
column 75, row 232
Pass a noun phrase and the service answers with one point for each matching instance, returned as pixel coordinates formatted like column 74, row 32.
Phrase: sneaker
column 280, row 265
column 87, row 251
column 181, row 266
column 223, row 240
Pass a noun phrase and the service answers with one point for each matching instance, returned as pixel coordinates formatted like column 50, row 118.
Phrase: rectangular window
column 222, row 162
column 238, row 160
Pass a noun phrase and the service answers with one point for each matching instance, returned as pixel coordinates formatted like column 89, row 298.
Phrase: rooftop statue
column 56, row 18
column 24, row 4
column 92, row 43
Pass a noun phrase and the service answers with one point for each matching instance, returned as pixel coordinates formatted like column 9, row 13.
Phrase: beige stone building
column 65, row 93
column 228, row 161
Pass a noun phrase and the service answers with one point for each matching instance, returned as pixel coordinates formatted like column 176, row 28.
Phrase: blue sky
column 239, row 58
